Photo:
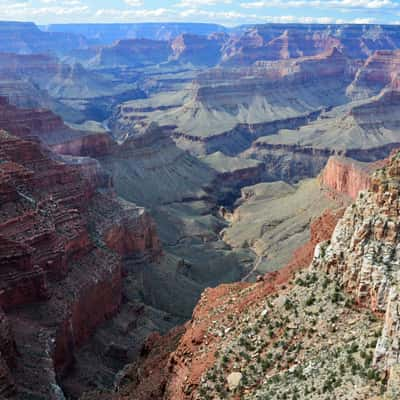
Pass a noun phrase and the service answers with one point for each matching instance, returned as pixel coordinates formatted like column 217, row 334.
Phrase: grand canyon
column 191, row 211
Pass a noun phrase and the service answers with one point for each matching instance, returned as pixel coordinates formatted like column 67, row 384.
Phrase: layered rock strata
column 362, row 255
column 62, row 245
column 282, row 41
column 198, row 50
column 379, row 71
column 346, row 177
column 133, row 53
column 349, row 295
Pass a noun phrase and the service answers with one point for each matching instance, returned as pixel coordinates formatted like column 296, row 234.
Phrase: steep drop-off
column 328, row 331
column 60, row 268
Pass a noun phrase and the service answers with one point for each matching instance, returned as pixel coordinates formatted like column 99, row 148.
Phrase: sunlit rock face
column 344, row 176
column 380, row 70
column 363, row 254
column 280, row 41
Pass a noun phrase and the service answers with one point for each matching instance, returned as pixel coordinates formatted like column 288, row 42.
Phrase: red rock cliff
column 61, row 243
column 345, row 177
column 50, row 129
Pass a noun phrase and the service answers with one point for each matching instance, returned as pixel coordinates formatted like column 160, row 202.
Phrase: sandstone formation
column 70, row 89
column 82, row 143
column 133, row 53
column 362, row 255
column 197, row 50
column 109, row 33
column 209, row 118
column 26, row 38
column 344, row 176
column 379, row 71
column 54, row 231
column 31, row 122
column 51, row 129
column 180, row 370
column 181, row 119
column 280, row 41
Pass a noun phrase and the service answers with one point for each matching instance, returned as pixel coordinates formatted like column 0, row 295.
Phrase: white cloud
column 130, row 14
column 231, row 17
column 215, row 15
column 63, row 3
column 26, row 12
column 371, row 4
column 134, row 3
column 363, row 21
column 231, row 12
column 195, row 3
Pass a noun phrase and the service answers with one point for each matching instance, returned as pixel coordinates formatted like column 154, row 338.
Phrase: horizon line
column 204, row 23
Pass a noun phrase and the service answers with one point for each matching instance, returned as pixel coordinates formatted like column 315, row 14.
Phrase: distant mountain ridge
column 27, row 38
column 109, row 33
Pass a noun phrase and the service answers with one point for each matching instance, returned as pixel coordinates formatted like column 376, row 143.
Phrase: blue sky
column 227, row 12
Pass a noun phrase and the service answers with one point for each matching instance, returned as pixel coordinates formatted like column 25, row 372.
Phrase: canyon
column 189, row 211
column 294, row 331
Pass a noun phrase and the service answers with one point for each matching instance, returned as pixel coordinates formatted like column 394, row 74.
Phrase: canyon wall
column 380, row 70
column 345, row 177
column 8, row 358
column 63, row 242
column 362, row 255
column 26, row 38
column 282, row 41
column 355, row 251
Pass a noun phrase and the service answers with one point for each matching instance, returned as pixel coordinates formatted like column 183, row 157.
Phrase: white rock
column 234, row 380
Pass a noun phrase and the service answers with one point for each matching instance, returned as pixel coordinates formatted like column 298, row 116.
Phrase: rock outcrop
column 83, row 279
column 281, row 41
column 62, row 244
column 379, row 71
column 171, row 366
column 133, row 53
column 84, row 144
column 51, row 130
column 362, row 255
column 346, row 177
column 349, row 295
column 198, row 50
column 227, row 109
column 69, row 89
column 26, row 38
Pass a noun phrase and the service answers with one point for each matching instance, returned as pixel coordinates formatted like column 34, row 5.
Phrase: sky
column 226, row 12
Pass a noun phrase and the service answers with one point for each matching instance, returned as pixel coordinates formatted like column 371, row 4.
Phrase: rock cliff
column 51, row 130
column 197, row 50
column 339, row 318
column 209, row 117
column 132, row 53
column 379, row 71
column 26, row 38
column 60, row 250
column 346, row 177
column 362, row 255
column 280, row 41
